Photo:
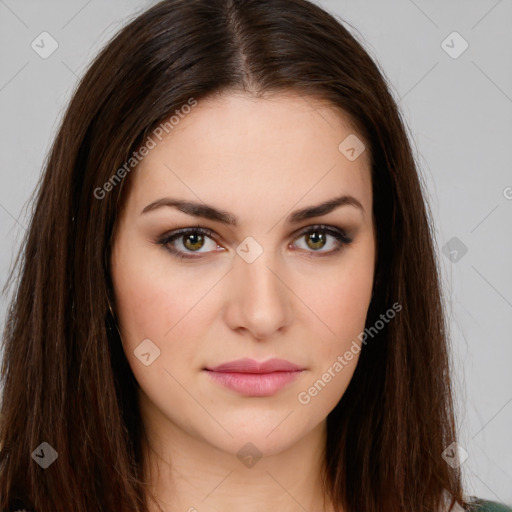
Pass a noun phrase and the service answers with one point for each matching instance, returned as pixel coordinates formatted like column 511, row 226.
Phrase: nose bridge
column 257, row 269
column 260, row 295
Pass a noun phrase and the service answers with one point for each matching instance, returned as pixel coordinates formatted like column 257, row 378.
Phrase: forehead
column 254, row 151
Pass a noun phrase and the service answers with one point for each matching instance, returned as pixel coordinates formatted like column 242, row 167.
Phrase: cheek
column 141, row 303
column 342, row 308
column 340, row 300
column 152, row 301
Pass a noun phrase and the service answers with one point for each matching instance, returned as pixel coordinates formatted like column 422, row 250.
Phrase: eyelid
column 332, row 230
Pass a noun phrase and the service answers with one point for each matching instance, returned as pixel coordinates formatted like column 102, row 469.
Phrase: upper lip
column 251, row 366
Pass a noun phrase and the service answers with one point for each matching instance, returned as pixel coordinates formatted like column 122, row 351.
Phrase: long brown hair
column 65, row 378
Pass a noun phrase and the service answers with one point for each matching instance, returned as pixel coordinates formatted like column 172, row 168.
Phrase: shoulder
column 479, row 505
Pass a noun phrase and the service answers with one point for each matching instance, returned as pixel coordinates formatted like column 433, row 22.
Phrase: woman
column 228, row 296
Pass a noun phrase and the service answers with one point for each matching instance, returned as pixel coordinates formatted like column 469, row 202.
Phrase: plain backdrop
column 455, row 94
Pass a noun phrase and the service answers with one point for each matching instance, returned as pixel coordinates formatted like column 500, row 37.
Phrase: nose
column 260, row 300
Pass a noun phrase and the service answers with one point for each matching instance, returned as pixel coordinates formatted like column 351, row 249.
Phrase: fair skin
column 260, row 160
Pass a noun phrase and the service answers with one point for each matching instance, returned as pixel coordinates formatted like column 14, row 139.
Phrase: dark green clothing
column 488, row 506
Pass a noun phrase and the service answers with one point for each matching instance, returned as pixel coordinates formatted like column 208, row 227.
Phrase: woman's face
column 264, row 281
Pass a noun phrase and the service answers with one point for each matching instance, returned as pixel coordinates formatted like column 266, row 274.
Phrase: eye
column 317, row 237
column 184, row 243
column 191, row 239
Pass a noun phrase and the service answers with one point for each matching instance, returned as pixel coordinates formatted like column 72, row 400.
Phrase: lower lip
column 254, row 384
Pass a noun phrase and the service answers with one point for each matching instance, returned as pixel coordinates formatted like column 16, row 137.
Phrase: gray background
column 459, row 112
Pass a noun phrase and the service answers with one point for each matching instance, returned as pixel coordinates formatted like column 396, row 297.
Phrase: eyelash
column 338, row 234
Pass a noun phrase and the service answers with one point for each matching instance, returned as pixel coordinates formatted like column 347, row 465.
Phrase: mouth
column 251, row 378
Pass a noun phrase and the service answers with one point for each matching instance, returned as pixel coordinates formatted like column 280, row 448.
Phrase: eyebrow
column 209, row 212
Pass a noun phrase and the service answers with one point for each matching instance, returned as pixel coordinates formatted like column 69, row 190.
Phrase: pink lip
column 250, row 378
